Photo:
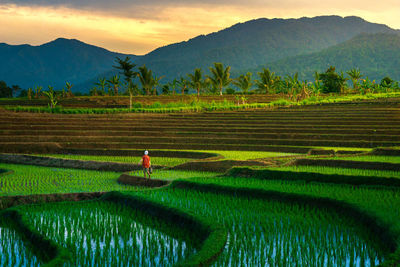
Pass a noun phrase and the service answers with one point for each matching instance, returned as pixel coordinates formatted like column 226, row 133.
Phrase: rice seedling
column 13, row 251
column 270, row 233
column 107, row 234
column 28, row 180
column 378, row 201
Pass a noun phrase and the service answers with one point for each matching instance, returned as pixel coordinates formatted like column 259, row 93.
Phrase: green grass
column 29, row 180
column 272, row 232
column 339, row 171
column 169, row 162
column 174, row 174
column 370, row 158
column 99, row 233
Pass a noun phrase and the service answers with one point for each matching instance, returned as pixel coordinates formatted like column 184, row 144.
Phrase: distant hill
column 258, row 42
column 243, row 46
column 53, row 63
column 376, row 55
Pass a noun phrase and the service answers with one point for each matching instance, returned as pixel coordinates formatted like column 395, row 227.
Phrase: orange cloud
column 142, row 32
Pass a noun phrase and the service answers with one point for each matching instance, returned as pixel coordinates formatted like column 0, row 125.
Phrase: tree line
column 142, row 81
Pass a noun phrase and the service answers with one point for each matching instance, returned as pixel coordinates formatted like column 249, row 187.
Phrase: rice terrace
column 274, row 142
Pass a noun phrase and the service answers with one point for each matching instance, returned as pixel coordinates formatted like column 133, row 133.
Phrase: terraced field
column 280, row 130
column 288, row 208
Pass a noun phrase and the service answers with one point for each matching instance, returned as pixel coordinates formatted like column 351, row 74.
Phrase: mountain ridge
column 243, row 46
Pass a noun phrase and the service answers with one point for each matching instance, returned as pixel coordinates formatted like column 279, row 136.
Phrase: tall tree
column 220, row 76
column 183, row 83
column 15, row 89
column 244, row 82
column 267, row 81
column 52, row 96
column 332, row 82
column 146, row 79
column 114, row 82
column 132, row 89
column 68, row 86
column 125, row 66
column 102, row 85
column 196, row 81
column 5, row 91
column 38, row 90
column 355, row 75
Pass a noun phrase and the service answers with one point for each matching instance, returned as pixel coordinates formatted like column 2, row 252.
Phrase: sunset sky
column 140, row 26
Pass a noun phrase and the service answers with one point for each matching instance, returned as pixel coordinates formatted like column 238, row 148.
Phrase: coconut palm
column 355, row 75
column 244, row 82
column 183, row 83
column 38, row 90
column 220, row 76
column 146, row 79
column 114, row 83
column 156, row 83
column 267, row 81
column 132, row 89
column 196, row 81
column 102, row 84
column 68, row 86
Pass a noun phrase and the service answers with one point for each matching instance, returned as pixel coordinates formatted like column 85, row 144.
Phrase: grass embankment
column 200, row 106
column 338, row 171
column 164, row 161
column 369, row 158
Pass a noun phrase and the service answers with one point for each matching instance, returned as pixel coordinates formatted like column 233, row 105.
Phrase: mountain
column 376, row 55
column 53, row 63
column 243, row 46
column 258, row 42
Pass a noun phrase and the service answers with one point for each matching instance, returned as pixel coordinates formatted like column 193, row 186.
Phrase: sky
column 140, row 26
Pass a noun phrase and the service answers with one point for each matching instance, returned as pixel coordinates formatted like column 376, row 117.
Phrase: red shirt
column 146, row 161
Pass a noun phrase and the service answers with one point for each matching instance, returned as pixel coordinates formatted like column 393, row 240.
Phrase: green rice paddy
column 274, row 233
column 30, row 180
column 108, row 234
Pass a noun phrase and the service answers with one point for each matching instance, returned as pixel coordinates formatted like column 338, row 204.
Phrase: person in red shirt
column 146, row 163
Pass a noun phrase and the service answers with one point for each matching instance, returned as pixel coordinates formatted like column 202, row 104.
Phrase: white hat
column 146, row 152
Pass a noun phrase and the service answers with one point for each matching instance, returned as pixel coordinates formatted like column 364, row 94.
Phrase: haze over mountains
column 285, row 46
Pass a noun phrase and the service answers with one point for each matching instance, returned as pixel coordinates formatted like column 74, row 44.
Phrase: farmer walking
column 146, row 163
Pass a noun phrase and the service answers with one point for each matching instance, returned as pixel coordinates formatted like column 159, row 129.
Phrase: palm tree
column 132, row 89
column 93, row 91
column 114, row 83
column 146, row 79
column 173, row 85
column 38, row 89
column 68, row 86
column 102, row 84
column 51, row 95
column 29, row 94
column 244, row 82
column 125, row 66
column 267, row 81
column 196, row 81
column 156, row 83
column 355, row 75
column 183, row 83
column 220, row 77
